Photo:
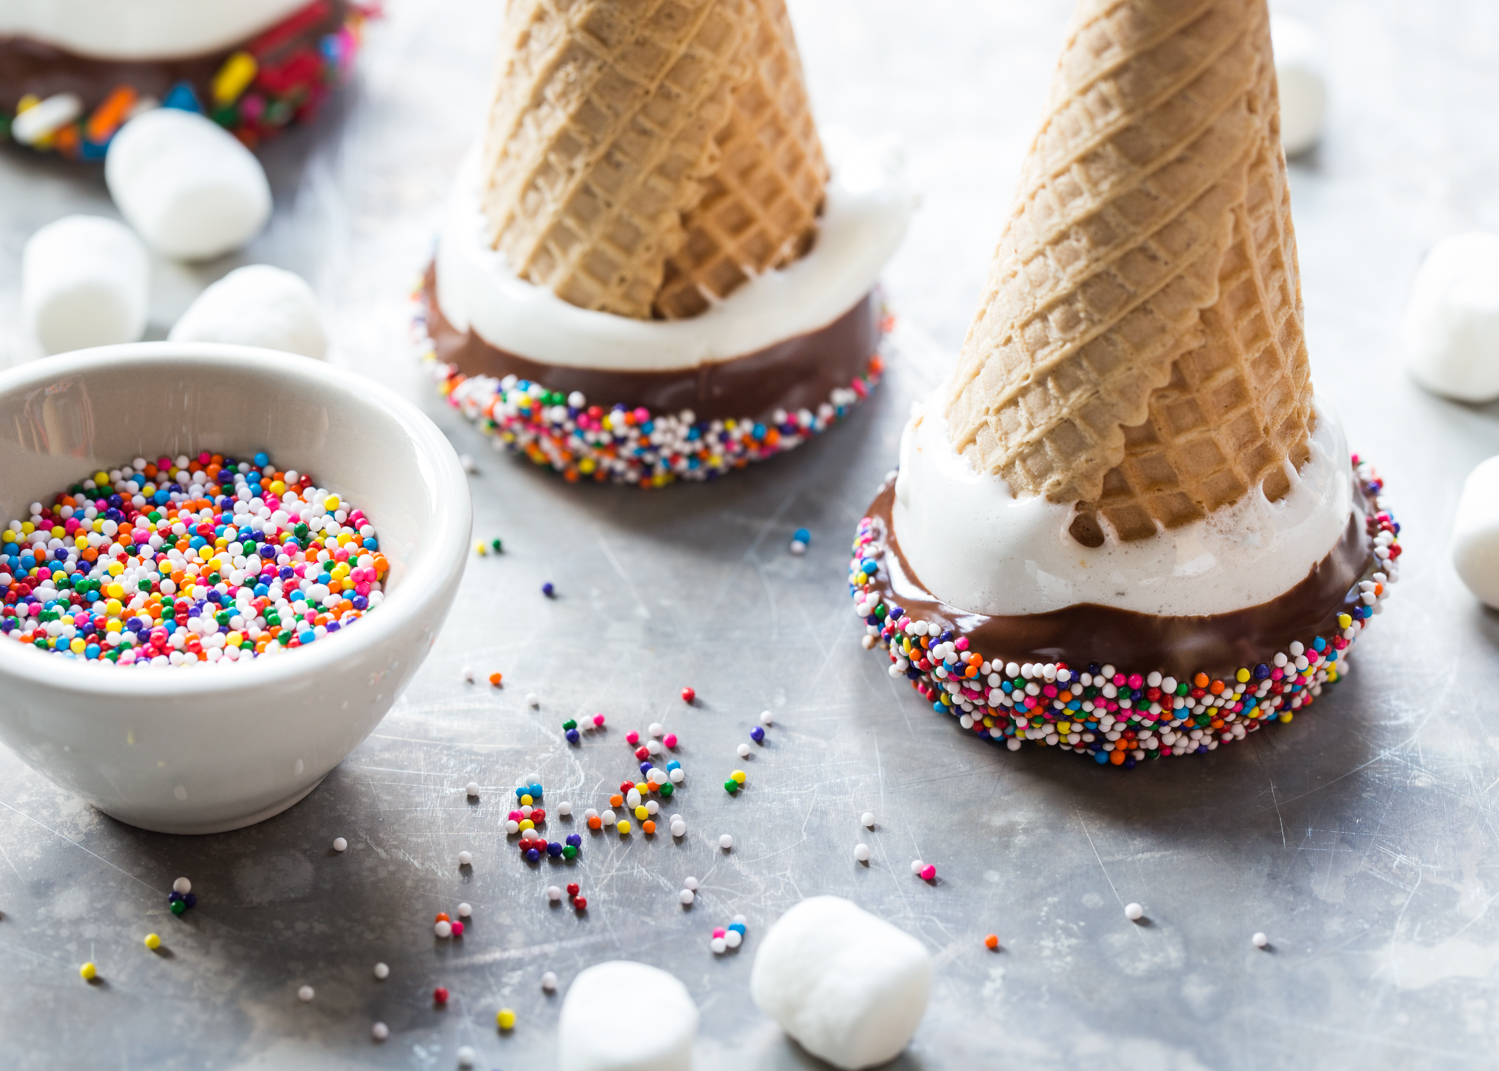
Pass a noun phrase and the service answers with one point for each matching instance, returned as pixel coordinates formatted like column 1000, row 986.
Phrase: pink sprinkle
column 670, row 740
column 457, row 929
column 928, row 872
column 515, row 816
column 961, row 643
column 632, row 737
column 598, row 719
column 719, row 931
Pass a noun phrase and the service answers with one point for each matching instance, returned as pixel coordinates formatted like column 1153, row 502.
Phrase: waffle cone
column 760, row 204
column 600, row 135
column 1139, row 347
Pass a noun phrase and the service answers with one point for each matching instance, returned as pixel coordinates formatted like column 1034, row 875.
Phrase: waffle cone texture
column 646, row 156
column 1139, row 347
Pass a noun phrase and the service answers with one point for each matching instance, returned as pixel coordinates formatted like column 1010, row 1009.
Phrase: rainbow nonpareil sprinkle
column 582, row 441
column 1115, row 715
column 188, row 560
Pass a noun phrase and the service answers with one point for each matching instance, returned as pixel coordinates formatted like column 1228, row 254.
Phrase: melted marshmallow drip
column 141, row 29
column 863, row 220
column 978, row 548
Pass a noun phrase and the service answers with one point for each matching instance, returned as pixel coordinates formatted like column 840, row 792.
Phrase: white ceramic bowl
column 216, row 747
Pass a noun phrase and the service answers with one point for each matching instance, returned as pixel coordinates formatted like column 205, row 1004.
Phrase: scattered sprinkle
column 726, row 842
column 767, row 718
column 678, row 828
column 861, row 852
column 1134, row 912
column 465, row 858
column 440, row 995
column 549, row 982
column 153, row 941
column 928, row 873
column 1260, row 940
column 88, row 972
column 466, row 1056
column 757, row 734
column 496, row 678
column 472, row 790
column 688, row 695
column 992, row 942
column 379, row 1031
column 183, row 886
column 917, row 866
column 465, row 910
column 467, row 461
column 867, row 818
column 505, row 1019
column 554, row 894
column 443, row 929
column 305, row 994
column 497, row 545
column 687, row 896
column 743, row 751
column 532, row 699
column 382, row 972
column 468, row 674
column 548, row 589
column 689, row 883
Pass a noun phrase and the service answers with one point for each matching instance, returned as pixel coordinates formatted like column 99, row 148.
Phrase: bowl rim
column 432, row 567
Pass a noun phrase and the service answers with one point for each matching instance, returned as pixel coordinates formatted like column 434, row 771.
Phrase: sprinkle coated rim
column 567, row 434
column 1118, row 716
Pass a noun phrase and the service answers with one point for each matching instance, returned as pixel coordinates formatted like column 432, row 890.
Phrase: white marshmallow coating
column 863, row 221
column 141, row 29
column 257, row 305
column 1451, row 331
column 849, row 987
column 603, row 1028
column 978, row 548
column 1302, row 82
column 187, row 186
column 85, row 281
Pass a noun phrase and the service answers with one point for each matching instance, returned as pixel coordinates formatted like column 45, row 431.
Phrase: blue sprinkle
column 802, row 536
column 572, row 736
column 574, row 839
column 547, row 589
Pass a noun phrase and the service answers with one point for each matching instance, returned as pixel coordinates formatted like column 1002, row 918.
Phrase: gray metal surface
column 1361, row 838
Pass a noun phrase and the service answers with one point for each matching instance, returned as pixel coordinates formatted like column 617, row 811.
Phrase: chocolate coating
column 28, row 66
column 1215, row 644
column 798, row 373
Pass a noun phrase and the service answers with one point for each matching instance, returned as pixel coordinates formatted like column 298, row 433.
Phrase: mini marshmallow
column 848, row 986
column 1302, row 83
column 597, row 1031
column 85, row 281
column 1475, row 533
column 256, row 305
column 190, row 189
column 1451, row 331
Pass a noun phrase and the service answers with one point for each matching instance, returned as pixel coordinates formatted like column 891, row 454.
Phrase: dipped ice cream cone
column 1128, row 483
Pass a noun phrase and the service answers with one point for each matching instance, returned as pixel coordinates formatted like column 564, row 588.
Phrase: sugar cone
column 1139, row 346
column 760, row 204
column 600, row 134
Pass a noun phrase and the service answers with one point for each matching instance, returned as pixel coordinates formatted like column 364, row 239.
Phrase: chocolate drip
column 1215, row 644
column 28, row 66
column 798, row 373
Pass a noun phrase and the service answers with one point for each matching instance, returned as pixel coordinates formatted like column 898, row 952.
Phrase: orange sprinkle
column 494, row 678
column 991, row 942
column 442, row 916
column 595, row 822
column 648, row 827
column 616, row 800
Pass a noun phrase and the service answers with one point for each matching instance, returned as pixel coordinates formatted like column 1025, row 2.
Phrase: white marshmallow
column 85, row 281
column 848, row 986
column 1451, row 331
column 186, row 185
column 256, row 305
column 599, row 1031
column 1302, row 81
column 1475, row 533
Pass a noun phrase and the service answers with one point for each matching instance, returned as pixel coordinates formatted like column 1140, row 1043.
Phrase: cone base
column 1232, row 672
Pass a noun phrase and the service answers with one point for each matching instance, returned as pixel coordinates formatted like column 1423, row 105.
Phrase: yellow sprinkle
column 26, row 103
column 1242, row 676
column 1286, row 716
column 641, row 813
column 101, row 478
column 153, row 942
column 480, row 548
column 738, row 775
column 234, row 78
column 505, row 1019
column 526, row 823
column 87, row 972
column 331, row 503
column 1344, row 620
column 624, row 828
column 526, row 800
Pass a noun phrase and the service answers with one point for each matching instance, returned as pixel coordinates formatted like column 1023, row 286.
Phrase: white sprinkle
column 718, row 944
column 689, row 883
column 466, row 1056
column 740, row 919
column 798, row 547
column 676, row 776
column 1134, row 912
column 861, row 852
column 339, row 844
column 382, row 972
column 1260, row 940
column 443, row 929
column 686, row 896
column 725, row 842
column 767, row 718
column 379, row 1031
column 652, row 807
column 532, row 699
column 512, row 826
column 465, row 910
column 654, row 747
column 467, row 461
column 183, row 886
column 592, row 812
column 868, row 819
column 743, row 750
column 565, row 809
column 632, row 798
column 549, row 982
column 468, row 674
column 678, row 829
column 554, row 894
column 607, row 817
column 305, row 994
column 917, row 866
column 655, row 729
column 732, row 938
column 465, row 858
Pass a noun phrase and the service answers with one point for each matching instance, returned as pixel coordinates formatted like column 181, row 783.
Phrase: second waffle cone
column 1139, row 349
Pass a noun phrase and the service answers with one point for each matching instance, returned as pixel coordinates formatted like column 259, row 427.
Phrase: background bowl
column 201, row 750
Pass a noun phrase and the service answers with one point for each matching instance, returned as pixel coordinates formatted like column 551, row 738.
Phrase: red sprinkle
column 440, row 995
column 688, row 695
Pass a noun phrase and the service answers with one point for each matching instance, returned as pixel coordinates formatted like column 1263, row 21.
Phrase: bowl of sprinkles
column 219, row 566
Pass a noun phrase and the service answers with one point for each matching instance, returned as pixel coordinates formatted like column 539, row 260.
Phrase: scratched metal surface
column 1361, row 838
